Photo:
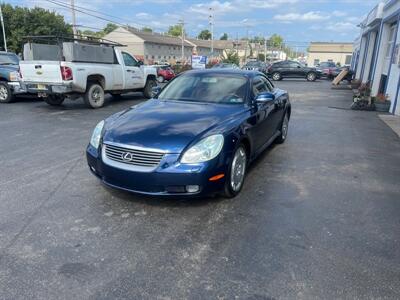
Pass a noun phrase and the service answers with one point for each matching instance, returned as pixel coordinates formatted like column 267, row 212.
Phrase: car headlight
column 205, row 150
column 96, row 135
column 13, row 76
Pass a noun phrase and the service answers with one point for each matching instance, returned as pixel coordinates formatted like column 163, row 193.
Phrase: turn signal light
column 217, row 177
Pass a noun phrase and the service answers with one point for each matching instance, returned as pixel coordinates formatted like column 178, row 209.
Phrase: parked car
column 327, row 68
column 292, row 69
column 256, row 66
column 54, row 80
column 225, row 66
column 196, row 137
column 164, row 73
column 9, row 77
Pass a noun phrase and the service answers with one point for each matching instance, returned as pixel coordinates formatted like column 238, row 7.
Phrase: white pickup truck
column 56, row 80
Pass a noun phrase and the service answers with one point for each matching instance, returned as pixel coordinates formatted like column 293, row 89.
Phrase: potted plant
column 382, row 103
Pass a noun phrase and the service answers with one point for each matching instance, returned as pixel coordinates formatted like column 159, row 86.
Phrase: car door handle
column 131, row 71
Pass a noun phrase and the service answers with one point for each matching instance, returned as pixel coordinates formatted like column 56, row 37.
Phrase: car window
column 129, row 61
column 269, row 85
column 294, row 65
column 214, row 88
column 9, row 59
column 259, row 85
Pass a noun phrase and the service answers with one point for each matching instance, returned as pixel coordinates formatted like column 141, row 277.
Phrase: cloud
column 268, row 4
column 341, row 27
column 143, row 15
column 306, row 17
column 339, row 13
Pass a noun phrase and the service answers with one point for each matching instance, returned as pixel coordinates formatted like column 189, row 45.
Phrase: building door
column 389, row 48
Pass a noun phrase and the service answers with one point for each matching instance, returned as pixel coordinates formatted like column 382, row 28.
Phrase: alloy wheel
column 238, row 169
column 3, row 93
column 285, row 126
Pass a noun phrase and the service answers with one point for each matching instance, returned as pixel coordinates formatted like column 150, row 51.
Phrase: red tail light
column 66, row 73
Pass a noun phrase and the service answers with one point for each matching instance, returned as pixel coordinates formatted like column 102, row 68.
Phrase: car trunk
column 41, row 71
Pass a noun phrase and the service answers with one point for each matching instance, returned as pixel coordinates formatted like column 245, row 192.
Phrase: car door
column 263, row 130
column 276, row 114
column 284, row 69
column 133, row 73
column 296, row 70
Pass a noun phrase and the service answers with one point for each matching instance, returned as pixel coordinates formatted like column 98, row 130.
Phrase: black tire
column 311, row 76
column 284, row 129
column 276, row 76
column 230, row 191
column 94, row 96
column 147, row 91
column 54, row 100
column 160, row 79
column 6, row 95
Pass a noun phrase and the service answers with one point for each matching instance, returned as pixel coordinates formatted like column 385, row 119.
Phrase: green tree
column 275, row 41
column 224, row 37
column 204, row 35
column 231, row 57
column 147, row 29
column 175, row 30
column 109, row 28
column 261, row 56
column 23, row 21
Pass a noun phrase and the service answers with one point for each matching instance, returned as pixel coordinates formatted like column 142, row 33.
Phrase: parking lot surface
column 318, row 216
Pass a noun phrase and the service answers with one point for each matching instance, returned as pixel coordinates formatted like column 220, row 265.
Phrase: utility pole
column 182, row 23
column 265, row 49
column 211, row 21
column 247, row 43
column 73, row 18
column 4, row 32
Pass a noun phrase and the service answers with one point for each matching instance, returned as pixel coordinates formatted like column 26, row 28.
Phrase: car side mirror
column 155, row 90
column 265, row 97
column 140, row 63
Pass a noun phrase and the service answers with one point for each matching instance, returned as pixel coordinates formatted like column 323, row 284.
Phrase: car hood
column 166, row 125
column 9, row 67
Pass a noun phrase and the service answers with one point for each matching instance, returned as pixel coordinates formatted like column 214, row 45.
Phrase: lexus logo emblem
column 127, row 156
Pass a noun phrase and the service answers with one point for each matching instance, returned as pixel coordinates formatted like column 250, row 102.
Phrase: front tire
column 54, row 100
column 284, row 130
column 160, row 79
column 6, row 95
column 276, row 76
column 94, row 96
column 236, row 173
column 147, row 91
column 311, row 76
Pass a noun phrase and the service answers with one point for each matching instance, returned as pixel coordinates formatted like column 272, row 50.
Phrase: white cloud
column 143, row 15
column 341, row 27
column 339, row 13
column 306, row 17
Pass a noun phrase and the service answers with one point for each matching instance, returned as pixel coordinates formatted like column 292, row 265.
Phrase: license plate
column 41, row 87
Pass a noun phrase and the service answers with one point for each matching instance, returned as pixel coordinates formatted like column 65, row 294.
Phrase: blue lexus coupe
column 196, row 136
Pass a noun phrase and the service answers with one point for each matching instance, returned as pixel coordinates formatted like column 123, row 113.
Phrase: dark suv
column 256, row 66
column 292, row 69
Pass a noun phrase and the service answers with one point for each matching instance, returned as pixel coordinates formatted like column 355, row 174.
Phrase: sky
column 297, row 21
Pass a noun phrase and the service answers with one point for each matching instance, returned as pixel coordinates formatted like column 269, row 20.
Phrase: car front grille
column 132, row 156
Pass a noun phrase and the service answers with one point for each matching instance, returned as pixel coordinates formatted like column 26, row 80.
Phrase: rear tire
column 147, row 91
column 54, row 100
column 94, row 96
column 276, row 76
column 236, row 174
column 6, row 95
column 311, row 76
column 284, row 130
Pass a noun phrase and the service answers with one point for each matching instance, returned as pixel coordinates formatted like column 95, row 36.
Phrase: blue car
column 196, row 136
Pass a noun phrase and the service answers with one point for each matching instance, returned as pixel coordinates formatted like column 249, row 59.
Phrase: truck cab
column 9, row 76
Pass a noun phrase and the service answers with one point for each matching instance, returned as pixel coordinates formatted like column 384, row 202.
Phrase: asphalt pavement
column 318, row 217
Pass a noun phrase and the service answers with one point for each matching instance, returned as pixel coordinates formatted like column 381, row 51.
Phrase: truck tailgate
column 41, row 71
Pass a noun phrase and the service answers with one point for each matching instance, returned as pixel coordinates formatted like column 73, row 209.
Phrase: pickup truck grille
column 134, row 157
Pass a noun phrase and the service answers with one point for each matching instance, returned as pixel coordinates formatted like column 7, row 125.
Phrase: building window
column 330, row 60
column 316, row 62
column 152, row 57
column 348, row 60
column 392, row 34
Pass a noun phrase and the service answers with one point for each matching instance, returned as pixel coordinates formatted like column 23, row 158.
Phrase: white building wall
column 394, row 76
column 368, row 60
column 361, row 61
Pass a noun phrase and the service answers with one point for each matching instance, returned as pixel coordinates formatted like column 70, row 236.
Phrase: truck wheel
column 160, row 79
column 94, row 96
column 54, row 100
column 6, row 95
column 150, row 83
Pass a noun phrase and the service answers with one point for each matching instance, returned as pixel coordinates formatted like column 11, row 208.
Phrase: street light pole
column 73, row 18
column 182, row 23
column 4, row 32
column 265, row 49
column 211, row 21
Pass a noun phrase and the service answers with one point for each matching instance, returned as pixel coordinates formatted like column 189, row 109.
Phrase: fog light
column 192, row 188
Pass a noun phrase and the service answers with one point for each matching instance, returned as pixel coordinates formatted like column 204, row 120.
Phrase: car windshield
column 9, row 59
column 214, row 88
column 253, row 64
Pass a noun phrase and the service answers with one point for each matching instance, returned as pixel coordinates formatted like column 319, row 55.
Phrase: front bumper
column 170, row 179
column 47, row 88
